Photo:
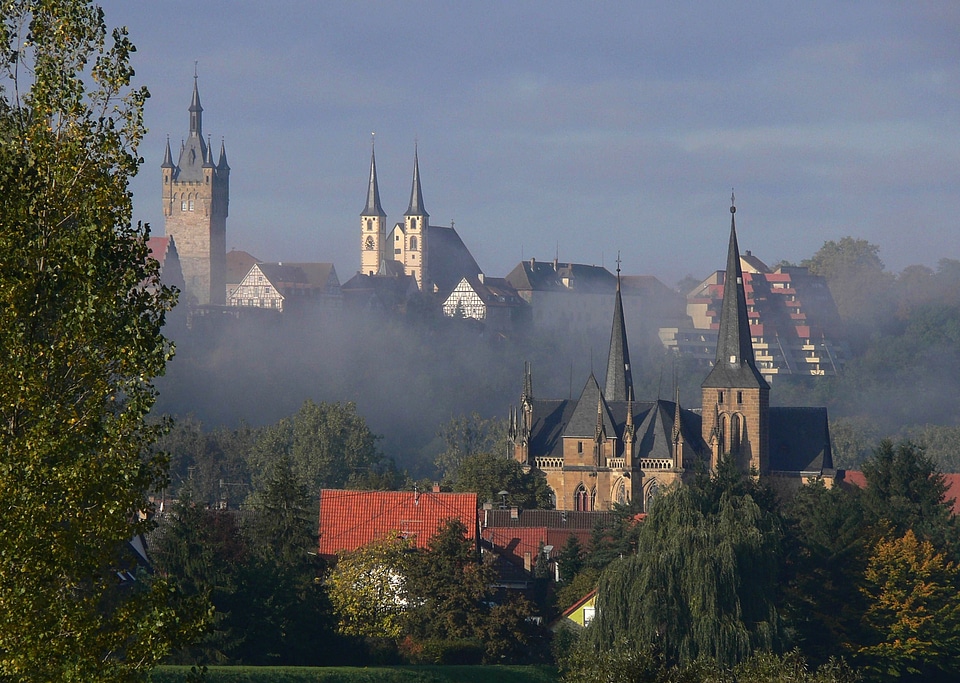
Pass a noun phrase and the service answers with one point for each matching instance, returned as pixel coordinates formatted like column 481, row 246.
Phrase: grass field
column 390, row 674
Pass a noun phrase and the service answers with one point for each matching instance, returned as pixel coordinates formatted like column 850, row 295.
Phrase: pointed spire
column 222, row 165
column 196, row 111
column 373, row 207
column 676, row 416
column 208, row 155
column 735, row 364
column 599, row 431
column 619, row 383
column 416, row 194
column 167, row 157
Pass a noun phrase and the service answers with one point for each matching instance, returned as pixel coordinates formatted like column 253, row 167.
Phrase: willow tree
column 703, row 582
column 81, row 309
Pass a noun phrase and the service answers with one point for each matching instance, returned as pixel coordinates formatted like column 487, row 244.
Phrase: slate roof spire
column 619, row 384
column 222, row 165
column 373, row 207
column 167, row 157
column 416, row 194
column 196, row 111
column 735, row 365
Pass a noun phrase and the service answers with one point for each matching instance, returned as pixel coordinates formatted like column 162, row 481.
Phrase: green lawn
column 399, row 674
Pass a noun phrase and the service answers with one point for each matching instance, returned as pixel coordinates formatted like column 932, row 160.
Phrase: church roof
column 583, row 422
column 373, row 207
column 449, row 259
column 799, row 440
column 416, row 194
column 619, row 384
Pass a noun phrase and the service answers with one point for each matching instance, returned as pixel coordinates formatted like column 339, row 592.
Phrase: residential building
column 606, row 447
column 196, row 198
column 288, row 286
column 491, row 301
column 352, row 519
column 794, row 324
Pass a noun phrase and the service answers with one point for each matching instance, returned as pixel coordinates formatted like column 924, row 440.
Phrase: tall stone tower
column 736, row 397
column 373, row 225
column 416, row 223
column 196, row 196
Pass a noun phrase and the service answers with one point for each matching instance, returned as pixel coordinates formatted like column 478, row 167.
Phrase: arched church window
column 369, row 224
column 621, row 493
column 593, row 498
column 413, row 243
column 581, row 499
column 653, row 490
column 734, row 432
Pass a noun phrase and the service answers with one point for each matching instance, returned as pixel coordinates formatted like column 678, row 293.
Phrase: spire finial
column 195, row 63
column 618, row 265
column 373, row 139
column 733, row 202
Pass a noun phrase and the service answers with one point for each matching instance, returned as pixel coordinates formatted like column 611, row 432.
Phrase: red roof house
column 351, row 519
column 952, row 480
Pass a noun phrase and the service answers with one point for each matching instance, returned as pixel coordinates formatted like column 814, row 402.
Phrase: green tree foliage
column 857, row 279
column 329, row 446
column 486, row 474
column 702, row 583
column 828, row 541
column 368, row 589
column 81, row 309
column 913, row 612
column 905, row 490
column 465, row 436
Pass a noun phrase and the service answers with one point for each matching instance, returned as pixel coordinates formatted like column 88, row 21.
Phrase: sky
column 571, row 129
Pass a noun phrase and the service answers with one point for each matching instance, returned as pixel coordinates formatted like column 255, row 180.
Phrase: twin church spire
column 407, row 244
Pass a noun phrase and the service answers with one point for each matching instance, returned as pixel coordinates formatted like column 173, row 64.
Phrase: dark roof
column 450, row 260
column 416, row 195
column 239, row 264
column 550, row 519
column 799, row 440
column 493, row 291
column 536, row 275
column 583, row 422
column 735, row 365
column 373, row 207
column 619, row 384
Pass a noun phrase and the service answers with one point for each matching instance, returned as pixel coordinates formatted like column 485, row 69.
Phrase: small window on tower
column 191, row 205
column 739, row 397
column 719, row 397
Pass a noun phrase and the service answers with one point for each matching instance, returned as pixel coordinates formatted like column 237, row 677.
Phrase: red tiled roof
column 158, row 248
column 952, row 480
column 578, row 604
column 351, row 519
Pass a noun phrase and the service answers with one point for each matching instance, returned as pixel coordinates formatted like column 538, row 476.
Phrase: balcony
column 548, row 463
column 616, row 463
column 656, row 464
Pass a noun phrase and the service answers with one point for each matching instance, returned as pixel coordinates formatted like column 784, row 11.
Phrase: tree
column 329, row 446
column 486, row 474
column 465, row 436
column 906, row 491
column 913, row 612
column 702, row 583
column 368, row 589
column 81, row 310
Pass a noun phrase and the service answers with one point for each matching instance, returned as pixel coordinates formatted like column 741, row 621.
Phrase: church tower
column 736, row 397
column 373, row 225
column 416, row 222
column 196, row 196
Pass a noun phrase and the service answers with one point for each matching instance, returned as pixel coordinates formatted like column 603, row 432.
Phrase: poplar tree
column 81, row 309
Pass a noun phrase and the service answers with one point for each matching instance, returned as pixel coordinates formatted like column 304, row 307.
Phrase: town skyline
column 574, row 134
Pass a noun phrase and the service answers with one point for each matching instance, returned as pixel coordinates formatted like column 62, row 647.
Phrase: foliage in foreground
column 373, row 674
column 81, row 308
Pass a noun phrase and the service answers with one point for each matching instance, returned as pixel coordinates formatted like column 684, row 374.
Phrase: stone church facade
column 196, row 198
column 606, row 447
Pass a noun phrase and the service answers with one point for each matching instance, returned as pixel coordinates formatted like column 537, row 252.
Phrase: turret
column 619, row 384
column 373, row 222
column 416, row 222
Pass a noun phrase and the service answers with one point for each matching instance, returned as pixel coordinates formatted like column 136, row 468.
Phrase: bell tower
column 373, row 224
column 196, row 197
column 416, row 222
column 735, row 396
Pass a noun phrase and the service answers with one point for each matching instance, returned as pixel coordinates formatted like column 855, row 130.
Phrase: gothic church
column 606, row 447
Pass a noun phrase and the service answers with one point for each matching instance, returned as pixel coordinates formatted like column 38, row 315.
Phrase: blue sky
column 582, row 129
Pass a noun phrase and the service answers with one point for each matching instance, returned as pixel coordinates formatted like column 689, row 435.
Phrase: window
column 369, row 224
column 720, row 397
column 183, row 206
column 191, row 205
column 739, row 397
column 579, row 446
column 588, row 614
column 581, row 500
column 413, row 243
